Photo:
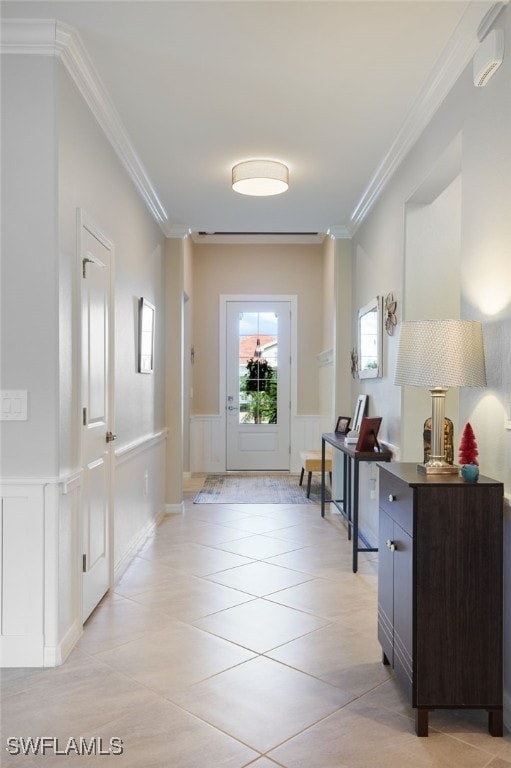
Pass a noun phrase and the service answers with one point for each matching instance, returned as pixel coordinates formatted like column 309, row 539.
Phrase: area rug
column 257, row 488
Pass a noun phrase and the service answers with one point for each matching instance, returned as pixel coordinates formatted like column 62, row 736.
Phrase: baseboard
column 132, row 550
column 56, row 655
column 21, row 651
column 174, row 509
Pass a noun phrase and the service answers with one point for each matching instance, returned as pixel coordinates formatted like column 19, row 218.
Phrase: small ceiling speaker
column 488, row 57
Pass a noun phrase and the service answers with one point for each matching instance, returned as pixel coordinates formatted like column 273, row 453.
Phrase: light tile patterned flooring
column 239, row 636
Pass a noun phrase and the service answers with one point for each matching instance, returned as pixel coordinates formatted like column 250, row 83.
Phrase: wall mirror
column 146, row 312
column 370, row 340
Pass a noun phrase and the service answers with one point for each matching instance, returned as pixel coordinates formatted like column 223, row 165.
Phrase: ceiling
column 336, row 90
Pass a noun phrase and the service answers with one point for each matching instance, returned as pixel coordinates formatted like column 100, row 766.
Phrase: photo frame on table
column 343, row 425
column 368, row 435
column 359, row 414
column 146, row 313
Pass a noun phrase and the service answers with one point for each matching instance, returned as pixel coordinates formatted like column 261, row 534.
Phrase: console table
column 348, row 505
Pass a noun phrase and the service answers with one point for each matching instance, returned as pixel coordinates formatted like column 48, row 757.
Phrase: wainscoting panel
column 207, row 440
column 139, row 496
column 207, row 444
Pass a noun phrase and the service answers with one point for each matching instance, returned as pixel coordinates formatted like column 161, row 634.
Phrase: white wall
column 482, row 116
column 29, row 306
column 432, row 268
column 55, row 160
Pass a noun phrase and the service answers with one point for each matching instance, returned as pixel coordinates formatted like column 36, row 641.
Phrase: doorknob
column 232, row 408
column 110, row 437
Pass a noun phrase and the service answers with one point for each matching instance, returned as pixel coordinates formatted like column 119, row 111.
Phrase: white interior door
column 95, row 253
column 258, row 377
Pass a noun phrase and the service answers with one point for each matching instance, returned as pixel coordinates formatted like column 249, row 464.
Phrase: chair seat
column 311, row 461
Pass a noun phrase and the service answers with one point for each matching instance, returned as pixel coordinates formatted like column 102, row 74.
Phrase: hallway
column 238, row 636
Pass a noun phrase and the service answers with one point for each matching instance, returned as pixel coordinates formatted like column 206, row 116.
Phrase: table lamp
column 439, row 354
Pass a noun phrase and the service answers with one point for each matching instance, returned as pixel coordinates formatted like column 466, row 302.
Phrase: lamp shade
column 260, row 177
column 441, row 353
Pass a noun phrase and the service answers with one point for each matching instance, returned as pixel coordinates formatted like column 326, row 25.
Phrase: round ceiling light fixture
column 260, row 177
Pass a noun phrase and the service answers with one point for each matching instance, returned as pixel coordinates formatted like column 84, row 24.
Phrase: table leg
column 348, row 497
column 355, row 516
column 345, row 483
column 322, row 478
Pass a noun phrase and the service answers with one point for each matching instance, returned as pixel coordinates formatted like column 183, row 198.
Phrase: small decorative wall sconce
column 354, row 362
column 390, row 313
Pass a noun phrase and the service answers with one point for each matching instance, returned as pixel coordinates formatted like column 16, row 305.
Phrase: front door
column 95, row 267
column 258, row 380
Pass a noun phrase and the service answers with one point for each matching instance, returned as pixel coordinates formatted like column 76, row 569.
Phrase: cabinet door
column 459, row 596
column 403, row 609
column 386, row 587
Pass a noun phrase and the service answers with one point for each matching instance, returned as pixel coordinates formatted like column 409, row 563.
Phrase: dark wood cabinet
column 440, row 590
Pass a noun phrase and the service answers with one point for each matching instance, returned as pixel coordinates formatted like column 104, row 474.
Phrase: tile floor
column 238, row 636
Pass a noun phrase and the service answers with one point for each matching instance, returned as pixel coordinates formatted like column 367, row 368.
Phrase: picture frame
column 343, row 425
column 360, row 410
column 146, row 322
column 368, row 435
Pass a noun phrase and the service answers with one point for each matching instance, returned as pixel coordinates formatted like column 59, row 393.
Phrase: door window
column 258, row 367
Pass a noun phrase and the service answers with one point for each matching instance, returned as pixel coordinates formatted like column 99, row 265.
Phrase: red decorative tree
column 468, row 446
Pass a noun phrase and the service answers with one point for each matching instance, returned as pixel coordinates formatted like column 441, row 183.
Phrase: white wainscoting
column 22, row 568
column 38, row 552
column 139, row 496
column 207, row 444
column 207, row 440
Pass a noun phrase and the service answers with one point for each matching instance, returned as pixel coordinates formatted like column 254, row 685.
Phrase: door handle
column 110, row 437
column 232, row 408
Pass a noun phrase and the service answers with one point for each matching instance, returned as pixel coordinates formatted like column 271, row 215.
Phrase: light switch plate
column 13, row 405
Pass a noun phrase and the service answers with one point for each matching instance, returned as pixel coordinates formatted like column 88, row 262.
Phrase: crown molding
column 454, row 58
column 43, row 37
column 178, row 232
column 339, row 232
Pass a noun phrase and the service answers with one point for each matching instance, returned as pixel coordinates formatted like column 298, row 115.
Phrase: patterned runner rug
column 257, row 488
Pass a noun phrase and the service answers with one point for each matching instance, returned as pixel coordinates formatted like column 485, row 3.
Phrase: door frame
column 222, row 353
column 85, row 221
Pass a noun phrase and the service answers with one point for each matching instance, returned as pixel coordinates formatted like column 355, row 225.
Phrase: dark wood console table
column 348, row 505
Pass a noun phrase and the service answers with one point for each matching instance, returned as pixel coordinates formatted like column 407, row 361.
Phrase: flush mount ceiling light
column 260, row 177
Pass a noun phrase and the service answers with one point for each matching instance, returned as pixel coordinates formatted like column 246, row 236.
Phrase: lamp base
column 438, row 469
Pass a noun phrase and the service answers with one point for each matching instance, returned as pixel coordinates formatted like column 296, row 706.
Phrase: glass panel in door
column 258, row 385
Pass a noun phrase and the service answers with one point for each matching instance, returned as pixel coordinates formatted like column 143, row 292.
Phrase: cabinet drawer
column 396, row 499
